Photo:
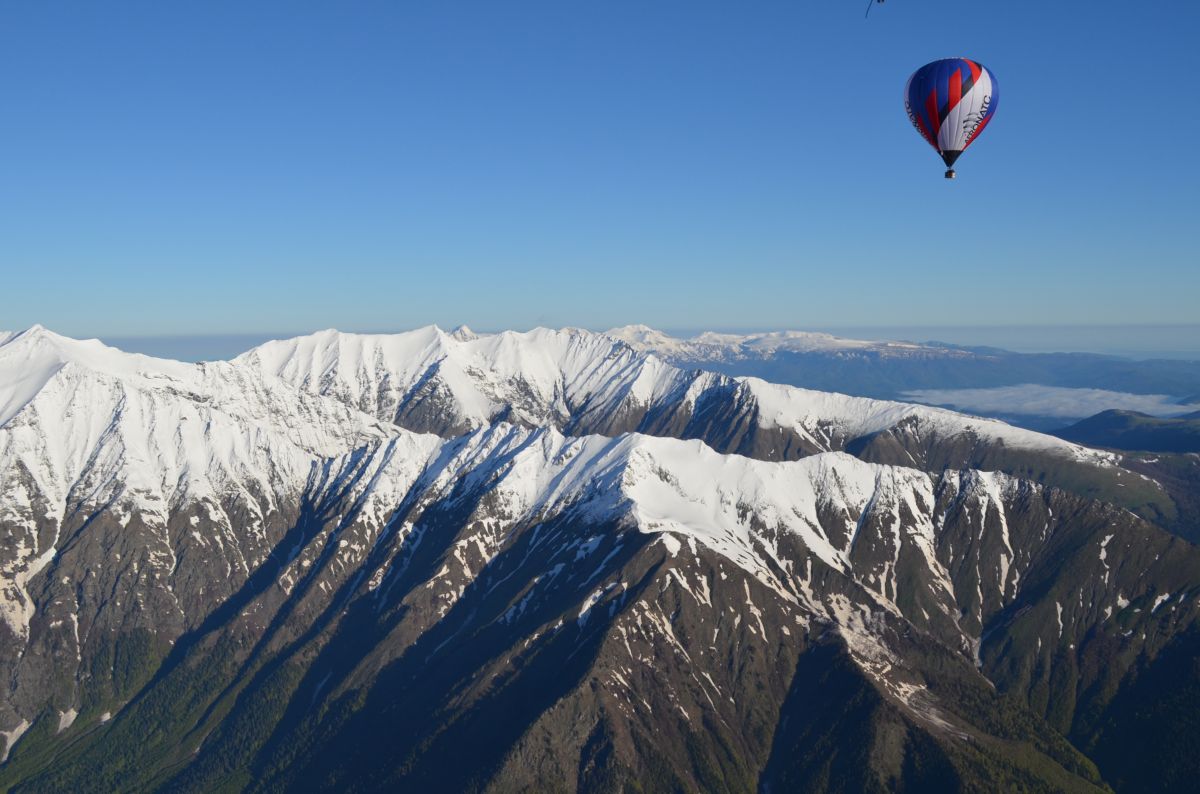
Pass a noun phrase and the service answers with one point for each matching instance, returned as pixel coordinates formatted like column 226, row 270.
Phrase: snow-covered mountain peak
column 643, row 337
column 813, row 413
column 745, row 510
column 773, row 341
column 578, row 495
column 31, row 358
column 77, row 410
column 428, row 379
column 711, row 346
column 38, row 343
column 86, row 428
column 585, row 382
column 679, row 488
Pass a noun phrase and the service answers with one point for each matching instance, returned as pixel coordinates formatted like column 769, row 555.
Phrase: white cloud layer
column 1031, row 399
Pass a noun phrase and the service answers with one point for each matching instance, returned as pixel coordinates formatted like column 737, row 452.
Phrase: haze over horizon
column 1141, row 342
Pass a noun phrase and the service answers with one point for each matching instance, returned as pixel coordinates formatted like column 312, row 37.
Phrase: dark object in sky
column 869, row 4
column 950, row 102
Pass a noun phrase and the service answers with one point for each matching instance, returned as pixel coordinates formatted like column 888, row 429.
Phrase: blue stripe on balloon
column 923, row 82
column 995, row 92
column 943, row 87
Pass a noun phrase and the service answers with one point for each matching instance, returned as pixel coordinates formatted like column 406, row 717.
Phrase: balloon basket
column 950, row 174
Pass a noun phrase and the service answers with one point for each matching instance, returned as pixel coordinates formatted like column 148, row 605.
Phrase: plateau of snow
column 712, row 346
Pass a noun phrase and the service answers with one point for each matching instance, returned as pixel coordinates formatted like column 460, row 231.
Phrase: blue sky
column 254, row 167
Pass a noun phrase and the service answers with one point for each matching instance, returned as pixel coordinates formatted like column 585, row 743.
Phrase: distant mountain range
column 1129, row 430
column 554, row 560
column 938, row 373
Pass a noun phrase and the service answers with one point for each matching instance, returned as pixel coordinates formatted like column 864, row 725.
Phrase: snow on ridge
column 793, row 407
column 540, row 374
column 85, row 386
column 739, row 507
column 538, row 377
column 86, row 425
column 548, row 376
column 647, row 339
column 713, row 346
column 66, row 400
column 83, row 418
column 545, row 375
column 656, row 485
column 31, row 358
column 166, row 432
column 690, row 490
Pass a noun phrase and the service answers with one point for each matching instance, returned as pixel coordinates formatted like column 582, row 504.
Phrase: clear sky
column 252, row 167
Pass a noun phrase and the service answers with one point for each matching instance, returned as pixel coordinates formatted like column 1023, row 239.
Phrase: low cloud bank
column 1030, row 399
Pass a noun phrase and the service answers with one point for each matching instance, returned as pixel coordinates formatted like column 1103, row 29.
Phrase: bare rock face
column 588, row 571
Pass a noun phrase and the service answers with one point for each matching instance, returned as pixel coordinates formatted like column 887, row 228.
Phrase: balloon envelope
column 950, row 102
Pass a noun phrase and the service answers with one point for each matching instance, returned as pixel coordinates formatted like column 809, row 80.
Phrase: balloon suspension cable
column 869, row 4
column 950, row 173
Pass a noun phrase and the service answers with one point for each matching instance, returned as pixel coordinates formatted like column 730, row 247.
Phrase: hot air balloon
column 950, row 102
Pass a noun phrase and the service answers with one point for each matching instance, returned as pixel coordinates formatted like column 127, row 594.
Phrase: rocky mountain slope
column 451, row 563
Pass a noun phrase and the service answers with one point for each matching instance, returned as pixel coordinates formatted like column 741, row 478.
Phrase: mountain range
column 1042, row 391
column 1134, row 430
column 555, row 560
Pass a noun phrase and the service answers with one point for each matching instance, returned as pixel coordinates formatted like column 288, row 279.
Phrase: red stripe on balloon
column 931, row 108
column 925, row 131
column 955, row 91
